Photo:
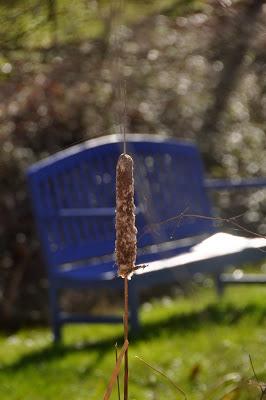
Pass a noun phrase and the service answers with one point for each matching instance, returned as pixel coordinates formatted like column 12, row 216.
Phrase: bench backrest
column 73, row 194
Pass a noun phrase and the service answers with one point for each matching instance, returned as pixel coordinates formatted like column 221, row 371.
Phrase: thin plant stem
column 126, row 337
column 179, row 217
column 117, row 378
column 253, row 369
column 125, row 115
column 255, row 375
column 181, row 391
column 115, row 372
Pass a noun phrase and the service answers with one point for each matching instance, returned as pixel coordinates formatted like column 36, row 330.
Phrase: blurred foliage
column 32, row 23
column 63, row 91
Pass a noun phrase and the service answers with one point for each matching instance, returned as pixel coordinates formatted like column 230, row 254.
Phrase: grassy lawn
column 201, row 343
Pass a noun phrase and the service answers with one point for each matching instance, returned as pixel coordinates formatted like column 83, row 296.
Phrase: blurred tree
column 231, row 51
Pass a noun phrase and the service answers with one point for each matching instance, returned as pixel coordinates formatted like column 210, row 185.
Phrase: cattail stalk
column 126, row 236
column 126, row 232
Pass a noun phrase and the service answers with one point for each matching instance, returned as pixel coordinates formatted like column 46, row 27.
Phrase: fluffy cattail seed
column 126, row 232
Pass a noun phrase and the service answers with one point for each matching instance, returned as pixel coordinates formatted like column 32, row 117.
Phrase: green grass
column 201, row 343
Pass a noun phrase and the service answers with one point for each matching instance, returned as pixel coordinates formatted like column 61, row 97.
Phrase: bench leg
column 219, row 285
column 56, row 325
column 133, row 299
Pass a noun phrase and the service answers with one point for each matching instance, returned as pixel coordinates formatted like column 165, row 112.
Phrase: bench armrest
column 226, row 184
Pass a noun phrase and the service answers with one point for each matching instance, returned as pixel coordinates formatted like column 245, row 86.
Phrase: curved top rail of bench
column 104, row 140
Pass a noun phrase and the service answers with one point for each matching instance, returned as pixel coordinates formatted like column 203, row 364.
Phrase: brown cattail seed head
column 126, row 232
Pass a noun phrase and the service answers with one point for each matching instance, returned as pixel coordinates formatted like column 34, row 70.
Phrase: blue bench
column 73, row 196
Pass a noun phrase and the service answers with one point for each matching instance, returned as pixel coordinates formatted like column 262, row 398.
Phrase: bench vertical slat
column 62, row 224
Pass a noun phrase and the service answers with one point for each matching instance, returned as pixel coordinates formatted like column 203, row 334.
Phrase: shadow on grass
column 214, row 314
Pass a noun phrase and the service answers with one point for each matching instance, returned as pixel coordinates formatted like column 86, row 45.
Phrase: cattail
column 126, row 232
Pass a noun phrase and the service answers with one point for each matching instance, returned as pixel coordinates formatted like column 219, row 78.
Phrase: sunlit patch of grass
column 201, row 342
